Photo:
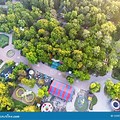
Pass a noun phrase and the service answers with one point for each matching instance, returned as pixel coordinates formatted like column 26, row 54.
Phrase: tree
column 58, row 33
column 116, row 71
column 21, row 23
column 81, row 75
column 3, row 89
column 19, row 44
column 42, row 24
column 30, row 33
column 52, row 24
column 70, row 79
column 43, row 92
column 108, row 27
column 72, row 34
column 86, row 33
column 32, row 57
column 22, row 73
column 11, row 63
column 30, row 83
column 12, row 76
column 81, row 34
column 112, row 89
column 63, row 68
column 6, row 102
column 94, row 87
column 31, row 108
column 41, row 32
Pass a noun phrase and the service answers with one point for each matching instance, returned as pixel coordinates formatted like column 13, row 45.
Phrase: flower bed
column 19, row 92
column 4, row 40
column 30, row 98
column 94, row 87
column 93, row 102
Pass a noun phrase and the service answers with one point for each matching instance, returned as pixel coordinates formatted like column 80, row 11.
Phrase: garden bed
column 4, row 67
column 93, row 102
column 116, row 74
column 1, row 62
column 19, row 104
column 4, row 40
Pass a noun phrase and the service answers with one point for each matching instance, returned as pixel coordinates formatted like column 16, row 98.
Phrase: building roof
column 61, row 90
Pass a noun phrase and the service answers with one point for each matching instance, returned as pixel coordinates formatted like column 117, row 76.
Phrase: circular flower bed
column 30, row 98
column 94, row 87
column 10, row 53
column 19, row 92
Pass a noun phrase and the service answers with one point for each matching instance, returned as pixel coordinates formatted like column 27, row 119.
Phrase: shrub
column 94, row 87
column 112, row 89
column 70, row 79
column 43, row 92
column 30, row 83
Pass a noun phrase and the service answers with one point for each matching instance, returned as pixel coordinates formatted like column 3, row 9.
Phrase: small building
column 61, row 90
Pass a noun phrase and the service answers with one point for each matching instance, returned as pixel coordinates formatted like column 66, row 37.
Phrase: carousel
column 47, row 107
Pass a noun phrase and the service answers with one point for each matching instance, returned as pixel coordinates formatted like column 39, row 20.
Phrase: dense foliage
column 83, row 34
column 6, row 102
column 42, row 92
column 31, row 108
column 112, row 89
column 78, row 33
column 70, row 79
column 116, row 71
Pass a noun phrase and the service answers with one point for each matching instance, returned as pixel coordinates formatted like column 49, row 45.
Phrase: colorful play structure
column 55, row 63
column 61, row 90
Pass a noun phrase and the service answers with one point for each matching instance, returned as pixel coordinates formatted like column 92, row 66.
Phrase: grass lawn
column 93, row 102
column 13, row 39
column 1, row 62
column 116, row 74
column 19, row 104
column 4, row 67
column 83, row 107
column 4, row 40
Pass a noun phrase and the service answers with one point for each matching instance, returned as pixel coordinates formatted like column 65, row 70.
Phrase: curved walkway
column 103, row 101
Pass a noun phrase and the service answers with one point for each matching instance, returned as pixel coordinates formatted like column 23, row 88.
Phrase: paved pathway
column 14, row 1
column 102, row 104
